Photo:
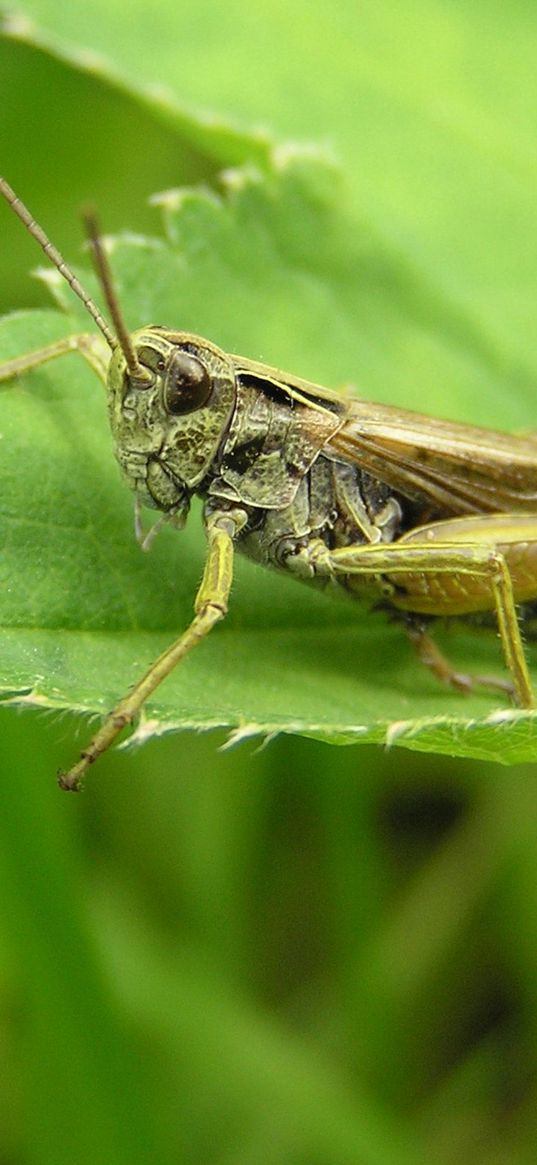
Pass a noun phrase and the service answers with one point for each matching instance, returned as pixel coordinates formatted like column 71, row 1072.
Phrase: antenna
column 57, row 260
column 104, row 273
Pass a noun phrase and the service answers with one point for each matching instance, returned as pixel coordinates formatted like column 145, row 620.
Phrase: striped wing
column 453, row 468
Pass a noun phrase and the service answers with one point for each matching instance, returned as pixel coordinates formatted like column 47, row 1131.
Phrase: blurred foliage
column 303, row 955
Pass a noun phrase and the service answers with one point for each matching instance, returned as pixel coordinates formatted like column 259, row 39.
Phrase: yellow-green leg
column 210, row 607
column 88, row 346
column 470, row 565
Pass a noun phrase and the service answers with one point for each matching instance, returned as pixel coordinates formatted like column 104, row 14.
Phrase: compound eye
column 187, row 386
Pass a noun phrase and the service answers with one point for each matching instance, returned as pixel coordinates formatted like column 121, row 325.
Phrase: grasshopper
column 428, row 517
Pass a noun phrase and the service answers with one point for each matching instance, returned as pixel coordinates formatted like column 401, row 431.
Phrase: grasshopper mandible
column 430, row 517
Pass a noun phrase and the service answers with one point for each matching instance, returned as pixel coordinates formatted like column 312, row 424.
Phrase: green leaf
column 432, row 108
column 83, row 610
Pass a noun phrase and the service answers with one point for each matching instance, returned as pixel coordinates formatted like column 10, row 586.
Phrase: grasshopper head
column 167, row 421
column 170, row 394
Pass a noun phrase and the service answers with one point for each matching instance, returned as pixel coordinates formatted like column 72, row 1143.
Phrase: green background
column 301, row 954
